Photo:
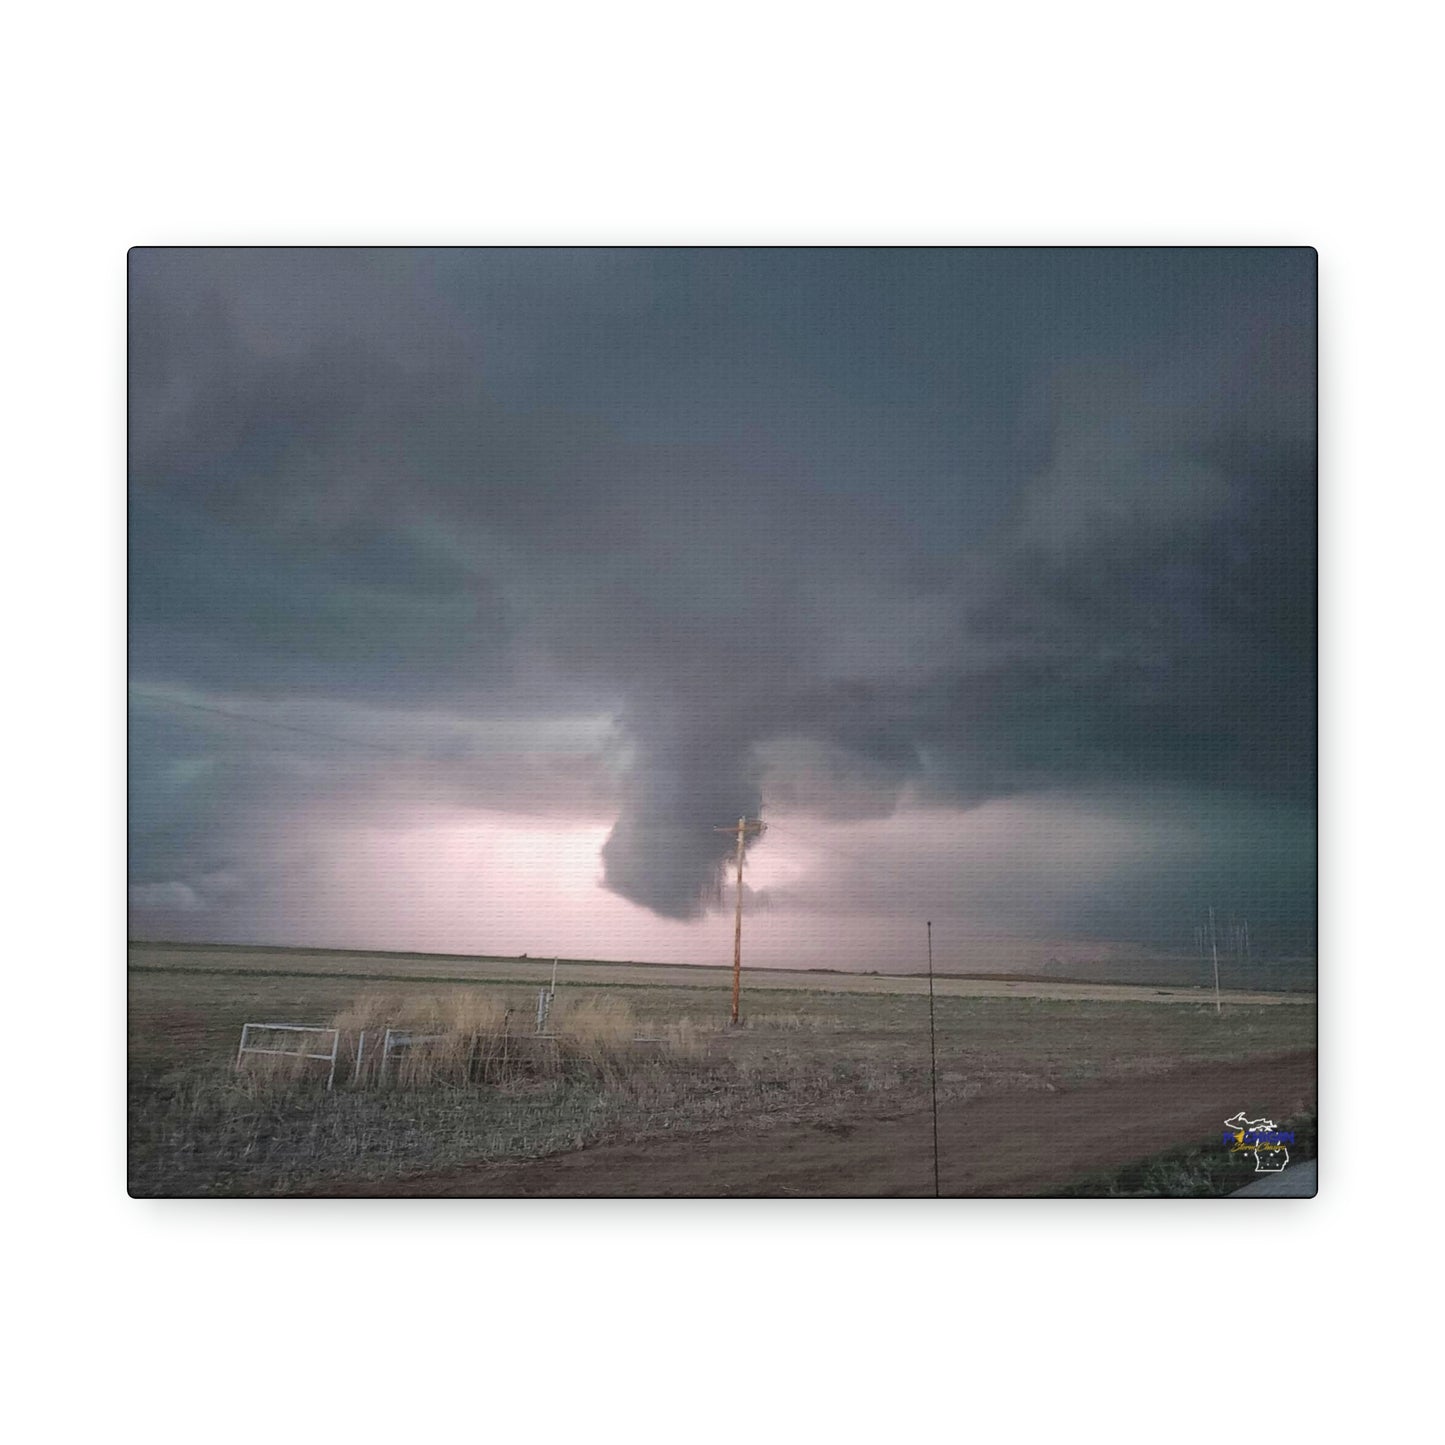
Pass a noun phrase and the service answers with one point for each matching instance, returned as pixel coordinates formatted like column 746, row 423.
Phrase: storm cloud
column 660, row 538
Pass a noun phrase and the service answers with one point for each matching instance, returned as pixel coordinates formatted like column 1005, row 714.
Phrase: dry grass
column 481, row 1087
column 465, row 1038
column 368, row 1011
column 789, row 1022
column 607, row 1030
column 623, row 1064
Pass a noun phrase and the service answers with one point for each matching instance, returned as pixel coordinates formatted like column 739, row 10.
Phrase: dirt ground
column 989, row 1146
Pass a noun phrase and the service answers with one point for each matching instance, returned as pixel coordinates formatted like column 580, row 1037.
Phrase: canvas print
column 722, row 722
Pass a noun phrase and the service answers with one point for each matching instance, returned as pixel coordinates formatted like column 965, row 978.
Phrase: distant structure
column 1235, row 943
column 1232, row 940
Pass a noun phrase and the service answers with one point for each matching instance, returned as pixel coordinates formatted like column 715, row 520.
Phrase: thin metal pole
column 738, row 926
column 933, row 1061
column 1214, row 949
column 554, row 978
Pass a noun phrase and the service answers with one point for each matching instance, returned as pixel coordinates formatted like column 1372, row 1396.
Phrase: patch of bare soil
column 1000, row 1145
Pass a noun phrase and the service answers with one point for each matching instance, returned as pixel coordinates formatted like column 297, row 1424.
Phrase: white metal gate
column 303, row 1052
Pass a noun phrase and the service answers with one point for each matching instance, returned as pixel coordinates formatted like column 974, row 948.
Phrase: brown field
column 824, row 1090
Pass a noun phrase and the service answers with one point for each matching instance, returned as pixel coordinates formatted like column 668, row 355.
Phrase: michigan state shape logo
column 1261, row 1137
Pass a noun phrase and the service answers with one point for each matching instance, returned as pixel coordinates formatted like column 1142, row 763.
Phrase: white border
column 789, row 124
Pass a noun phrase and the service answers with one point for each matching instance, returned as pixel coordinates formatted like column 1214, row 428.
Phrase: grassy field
column 825, row 1048
column 412, row 968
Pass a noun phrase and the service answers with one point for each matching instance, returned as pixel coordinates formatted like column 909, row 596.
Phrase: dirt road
column 1003, row 1145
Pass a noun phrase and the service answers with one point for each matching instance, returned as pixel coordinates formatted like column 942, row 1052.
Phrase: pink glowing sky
column 819, row 893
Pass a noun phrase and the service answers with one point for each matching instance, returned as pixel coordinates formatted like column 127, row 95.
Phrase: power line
column 267, row 723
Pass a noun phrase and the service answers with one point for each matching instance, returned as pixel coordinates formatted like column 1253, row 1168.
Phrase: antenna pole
column 933, row 1060
column 738, row 926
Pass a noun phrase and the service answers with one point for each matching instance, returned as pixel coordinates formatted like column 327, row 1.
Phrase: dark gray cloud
column 827, row 530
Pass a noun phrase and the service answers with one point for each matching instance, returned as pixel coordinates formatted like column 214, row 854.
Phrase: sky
column 473, row 590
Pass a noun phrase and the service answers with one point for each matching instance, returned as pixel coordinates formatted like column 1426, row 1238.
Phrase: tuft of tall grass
column 595, row 1029
column 467, row 1038
column 366, row 1011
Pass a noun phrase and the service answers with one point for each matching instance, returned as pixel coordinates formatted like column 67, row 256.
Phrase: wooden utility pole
column 743, row 828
